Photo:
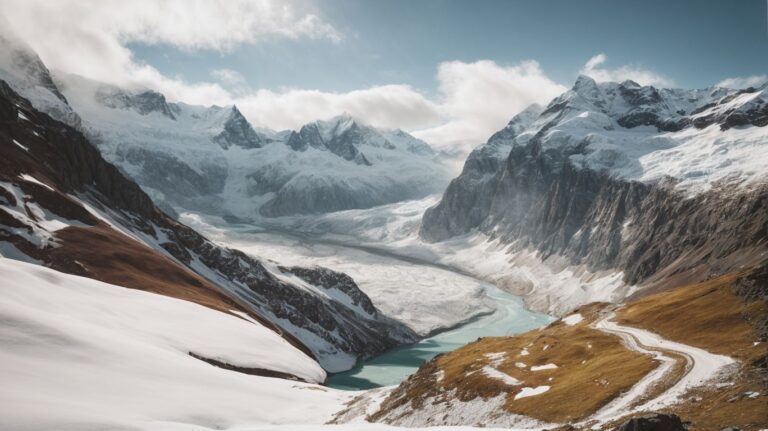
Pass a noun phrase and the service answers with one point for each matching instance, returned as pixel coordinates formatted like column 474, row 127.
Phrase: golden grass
column 711, row 316
column 586, row 378
column 708, row 315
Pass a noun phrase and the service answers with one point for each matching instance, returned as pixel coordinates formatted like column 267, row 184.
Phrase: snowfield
column 97, row 356
column 553, row 286
column 93, row 355
column 424, row 297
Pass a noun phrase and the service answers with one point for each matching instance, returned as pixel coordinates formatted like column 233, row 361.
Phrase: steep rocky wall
column 538, row 199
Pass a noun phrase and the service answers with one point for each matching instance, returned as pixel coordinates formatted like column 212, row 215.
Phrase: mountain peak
column 584, row 82
column 238, row 131
column 144, row 101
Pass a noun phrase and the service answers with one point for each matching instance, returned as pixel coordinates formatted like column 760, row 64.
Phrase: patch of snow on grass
column 543, row 367
column 530, row 392
column 499, row 375
column 573, row 319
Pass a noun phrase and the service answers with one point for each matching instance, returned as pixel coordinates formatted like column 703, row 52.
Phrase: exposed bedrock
column 539, row 199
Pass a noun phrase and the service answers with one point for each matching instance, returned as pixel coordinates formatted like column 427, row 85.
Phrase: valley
column 600, row 262
column 446, row 306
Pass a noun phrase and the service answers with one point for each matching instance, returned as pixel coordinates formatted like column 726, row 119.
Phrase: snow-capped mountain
column 26, row 73
column 623, row 178
column 211, row 159
column 63, row 206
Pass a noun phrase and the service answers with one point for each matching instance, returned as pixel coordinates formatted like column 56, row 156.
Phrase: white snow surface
column 552, row 285
column 91, row 355
column 543, row 367
column 573, row 319
column 493, row 373
column 697, row 158
column 531, row 392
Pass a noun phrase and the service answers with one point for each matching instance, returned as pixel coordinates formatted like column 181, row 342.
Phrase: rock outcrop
column 577, row 183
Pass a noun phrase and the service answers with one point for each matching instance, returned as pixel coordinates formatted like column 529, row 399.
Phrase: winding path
column 701, row 366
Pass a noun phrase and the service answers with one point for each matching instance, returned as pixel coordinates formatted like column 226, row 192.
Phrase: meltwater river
column 393, row 367
column 391, row 279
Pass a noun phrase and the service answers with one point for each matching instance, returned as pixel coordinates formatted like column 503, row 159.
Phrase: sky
column 451, row 72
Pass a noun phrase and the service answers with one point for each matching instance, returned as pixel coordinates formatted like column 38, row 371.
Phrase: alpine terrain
column 262, row 215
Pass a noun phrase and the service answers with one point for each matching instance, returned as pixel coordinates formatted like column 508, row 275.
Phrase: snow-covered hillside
column 211, row 159
column 88, row 352
column 642, row 133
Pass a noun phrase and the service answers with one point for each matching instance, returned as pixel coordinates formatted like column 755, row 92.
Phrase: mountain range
column 636, row 216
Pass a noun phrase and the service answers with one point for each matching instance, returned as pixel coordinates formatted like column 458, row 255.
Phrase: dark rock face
column 65, row 156
column 144, row 102
column 334, row 280
column 654, row 422
column 754, row 287
column 540, row 200
column 238, row 131
column 342, row 144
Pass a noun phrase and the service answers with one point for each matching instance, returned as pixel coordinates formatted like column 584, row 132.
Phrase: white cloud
column 476, row 99
column 232, row 80
column 594, row 68
column 479, row 98
column 387, row 106
column 89, row 38
column 743, row 82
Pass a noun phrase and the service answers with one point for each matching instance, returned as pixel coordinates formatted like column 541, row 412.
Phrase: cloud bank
column 474, row 99
column 743, row 82
column 595, row 69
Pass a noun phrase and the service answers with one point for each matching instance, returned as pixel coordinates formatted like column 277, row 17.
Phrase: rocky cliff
column 625, row 178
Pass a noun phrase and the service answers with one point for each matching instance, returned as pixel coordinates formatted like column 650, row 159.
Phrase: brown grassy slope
column 586, row 378
column 713, row 315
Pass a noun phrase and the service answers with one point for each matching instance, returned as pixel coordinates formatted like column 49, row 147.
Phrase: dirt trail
column 701, row 366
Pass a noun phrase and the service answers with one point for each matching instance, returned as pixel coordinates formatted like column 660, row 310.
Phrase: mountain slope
column 210, row 159
column 63, row 205
column 700, row 354
column 618, row 177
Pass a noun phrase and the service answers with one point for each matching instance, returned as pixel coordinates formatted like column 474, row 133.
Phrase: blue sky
column 451, row 72
column 693, row 43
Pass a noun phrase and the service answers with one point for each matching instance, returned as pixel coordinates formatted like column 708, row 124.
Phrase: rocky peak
column 24, row 71
column 143, row 102
column 238, row 131
column 27, row 62
column 340, row 135
column 635, row 95
column 587, row 88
